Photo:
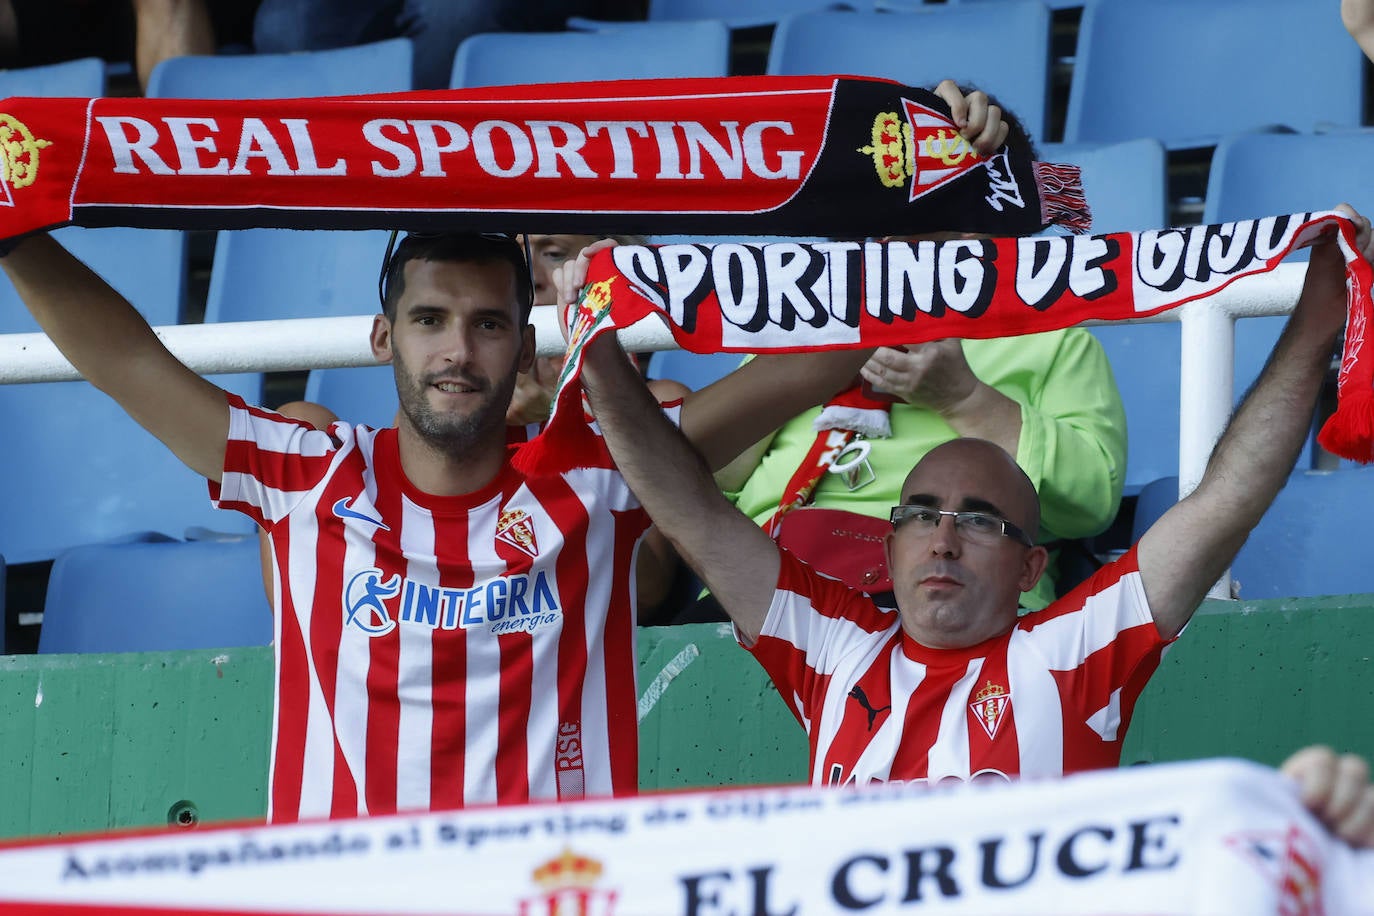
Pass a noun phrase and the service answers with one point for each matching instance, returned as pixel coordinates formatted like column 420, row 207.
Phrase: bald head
column 993, row 478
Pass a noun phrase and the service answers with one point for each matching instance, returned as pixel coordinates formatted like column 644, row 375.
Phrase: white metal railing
column 1207, row 356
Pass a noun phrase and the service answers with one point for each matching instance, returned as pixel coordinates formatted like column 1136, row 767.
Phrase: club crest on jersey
column 919, row 149
column 515, row 528
column 990, row 707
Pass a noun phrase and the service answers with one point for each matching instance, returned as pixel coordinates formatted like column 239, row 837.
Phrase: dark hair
column 462, row 247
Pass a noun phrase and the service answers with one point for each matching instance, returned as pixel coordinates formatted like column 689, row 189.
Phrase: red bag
column 844, row 545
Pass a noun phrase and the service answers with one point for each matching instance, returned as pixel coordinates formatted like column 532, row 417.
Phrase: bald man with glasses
column 952, row 684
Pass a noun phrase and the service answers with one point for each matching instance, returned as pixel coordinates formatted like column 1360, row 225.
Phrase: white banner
column 1198, row 839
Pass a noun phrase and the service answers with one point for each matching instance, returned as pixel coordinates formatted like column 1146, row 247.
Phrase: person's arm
column 736, row 560
column 318, row 416
column 1358, row 16
column 1336, row 789
column 1184, row 552
column 114, row 348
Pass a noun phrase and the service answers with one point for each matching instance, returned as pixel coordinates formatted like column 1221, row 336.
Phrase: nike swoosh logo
column 342, row 511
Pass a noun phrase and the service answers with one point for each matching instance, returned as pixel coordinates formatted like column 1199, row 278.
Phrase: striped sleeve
column 1101, row 643
column 270, row 462
column 813, row 624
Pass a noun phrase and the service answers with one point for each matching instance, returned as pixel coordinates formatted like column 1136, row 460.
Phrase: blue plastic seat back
column 1261, row 174
column 1153, row 500
column 82, row 78
column 79, row 471
column 1126, row 183
column 147, row 266
column 365, row 394
column 261, row 274
column 156, row 597
column 732, row 13
column 922, row 47
column 646, row 50
column 1052, row 4
column 1188, row 73
column 1126, row 187
column 1308, row 543
column 382, row 66
column 695, row 370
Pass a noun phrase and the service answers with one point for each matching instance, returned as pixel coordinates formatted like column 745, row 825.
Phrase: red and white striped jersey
column 1052, row 696
column 436, row 652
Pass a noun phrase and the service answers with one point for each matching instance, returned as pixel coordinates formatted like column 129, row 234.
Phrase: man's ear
column 381, row 338
column 1033, row 567
column 527, row 350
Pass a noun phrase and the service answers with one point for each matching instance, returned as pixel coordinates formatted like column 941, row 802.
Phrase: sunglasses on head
column 392, row 246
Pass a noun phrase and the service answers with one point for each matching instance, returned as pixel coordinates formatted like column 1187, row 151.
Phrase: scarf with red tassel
column 788, row 297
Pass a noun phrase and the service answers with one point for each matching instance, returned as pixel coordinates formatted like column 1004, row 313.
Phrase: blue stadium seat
column 1153, row 500
column 382, row 66
column 1188, row 73
column 365, row 394
column 1052, row 4
column 82, row 471
column 1308, row 543
column 261, row 274
column 1263, row 174
column 732, row 13
column 147, row 266
column 156, row 597
column 1126, row 183
column 922, row 47
column 643, row 50
column 1304, row 544
column 695, row 370
column 82, row 78
column 1126, row 188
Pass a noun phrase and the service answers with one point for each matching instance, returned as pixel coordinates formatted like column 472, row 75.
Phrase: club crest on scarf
column 515, row 528
column 18, row 156
column 990, row 706
column 920, row 149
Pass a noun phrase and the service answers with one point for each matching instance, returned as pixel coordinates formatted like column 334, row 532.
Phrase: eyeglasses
column 975, row 527
column 392, row 246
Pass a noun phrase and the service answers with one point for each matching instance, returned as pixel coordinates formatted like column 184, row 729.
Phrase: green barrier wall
column 100, row 741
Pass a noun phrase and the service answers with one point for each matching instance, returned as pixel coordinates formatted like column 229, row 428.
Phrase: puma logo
column 857, row 693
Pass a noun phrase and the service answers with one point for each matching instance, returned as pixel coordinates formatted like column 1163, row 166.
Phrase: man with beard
column 448, row 632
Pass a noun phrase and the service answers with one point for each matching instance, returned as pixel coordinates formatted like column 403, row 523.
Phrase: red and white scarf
column 788, row 298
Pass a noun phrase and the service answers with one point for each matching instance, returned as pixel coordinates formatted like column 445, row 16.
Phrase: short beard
column 452, row 435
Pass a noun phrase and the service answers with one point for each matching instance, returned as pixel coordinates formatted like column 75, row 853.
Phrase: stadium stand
column 382, row 66
column 733, row 14
column 1188, row 73
column 1126, row 185
column 90, row 474
column 160, row 596
column 922, row 47
column 1253, row 175
column 147, row 266
column 646, row 50
column 365, row 394
column 80, row 78
column 1303, row 547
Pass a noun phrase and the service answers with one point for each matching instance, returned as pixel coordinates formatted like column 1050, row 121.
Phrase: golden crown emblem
column 568, row 870
column 990, row 691
column 18, row 152
column 894, row 156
